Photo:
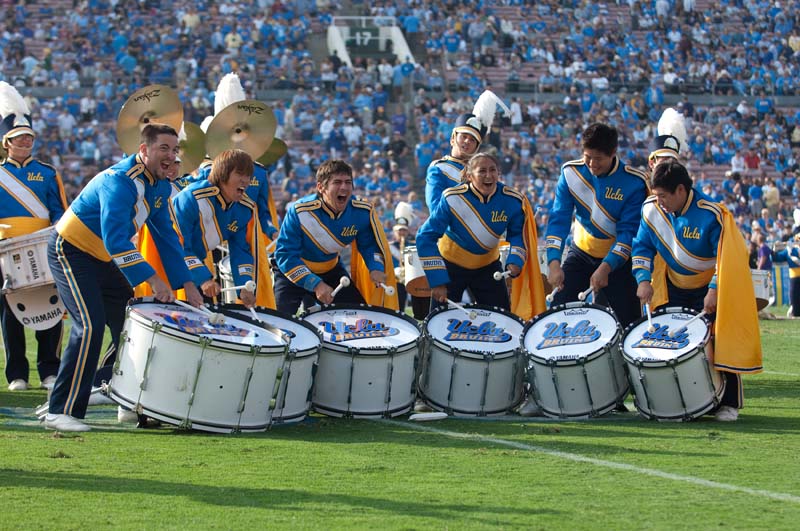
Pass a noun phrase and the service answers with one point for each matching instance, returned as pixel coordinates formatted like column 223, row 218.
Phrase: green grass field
column 619, row 472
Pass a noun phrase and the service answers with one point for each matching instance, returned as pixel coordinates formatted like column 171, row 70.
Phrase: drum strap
column 23, row 195
column 585, row 193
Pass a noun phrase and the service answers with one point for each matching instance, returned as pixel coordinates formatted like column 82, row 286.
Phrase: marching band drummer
column 458, row 245
column 315, row 230
column 606, row 197
column 706, row 269
column 95, row 264
column 32, row 196
column 791, row 255
column 215, row 210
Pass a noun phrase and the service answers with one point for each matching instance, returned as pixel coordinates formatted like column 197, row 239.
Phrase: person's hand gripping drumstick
column 325, row 293
column 213, row 318
column 471, row 313
column 552, row 294
column 389, row 290
column 687, row 323
column 512, row 271
column 650, row 327
column 248, row 293
column 583, row 294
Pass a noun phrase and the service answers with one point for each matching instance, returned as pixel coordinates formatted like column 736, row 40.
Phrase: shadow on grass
column 271, row 498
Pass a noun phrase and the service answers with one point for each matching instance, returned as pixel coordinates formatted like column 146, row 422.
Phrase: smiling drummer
column 32, row 196
column 316, row 230
column 706, row 269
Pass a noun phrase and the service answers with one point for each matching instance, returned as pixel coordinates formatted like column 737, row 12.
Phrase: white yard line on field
column 780, row 496
column 782, row 373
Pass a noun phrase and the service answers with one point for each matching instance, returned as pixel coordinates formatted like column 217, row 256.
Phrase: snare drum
column 575, row 367
column 23, row 260
column 416, row 281
column 367, row 362
column 294, row 393
column 173, row 365
column 672, row 377
column 762, row 285
column 473, row 367
column 226, row 279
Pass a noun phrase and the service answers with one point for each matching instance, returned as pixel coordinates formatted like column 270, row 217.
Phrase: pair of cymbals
column 150, row 104
column 248, row 125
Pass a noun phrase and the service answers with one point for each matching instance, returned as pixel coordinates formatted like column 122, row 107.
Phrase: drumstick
column 650, row 327
column 687, row 323
column 552, row 294
column 343, row 283
column 583, row 294
column 471, row 313
column 500, row 276
column 255, row 315
column 247, row 286
column 388, row 289
column 213, row 318
column 222, row 249
column 4, row 226
column 271, row 246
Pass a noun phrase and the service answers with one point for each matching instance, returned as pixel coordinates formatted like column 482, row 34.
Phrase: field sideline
column 618, row 472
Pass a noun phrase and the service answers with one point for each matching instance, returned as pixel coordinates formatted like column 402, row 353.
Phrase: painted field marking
column 781, row 373
column 780, row 496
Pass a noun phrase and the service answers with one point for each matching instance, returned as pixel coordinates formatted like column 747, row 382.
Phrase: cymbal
column 248, row 125
column 191, row 147
column 150, row 104
column 274, row 152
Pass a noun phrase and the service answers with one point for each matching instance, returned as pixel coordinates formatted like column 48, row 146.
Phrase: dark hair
column 668, row 174
column 473, row 161
column 227, row 162
column 601, row 137
column 149, row 134
column 329, row 168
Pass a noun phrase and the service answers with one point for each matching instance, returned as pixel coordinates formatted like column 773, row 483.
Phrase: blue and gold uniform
column 311, row 238
column 95, row 264
column 607, row 211
column 442, row 174
column 32, row 195
column 206, row 220
column 459, row 243
column 791, row 255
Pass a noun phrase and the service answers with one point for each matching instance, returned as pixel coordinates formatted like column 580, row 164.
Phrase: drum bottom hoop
column 599, row 412
column 690, row 415
column 179, row 422
column 333, row 412
column 469, row 413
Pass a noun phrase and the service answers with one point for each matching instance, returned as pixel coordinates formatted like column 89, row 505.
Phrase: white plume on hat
column 404, row 210
column 229, row 90
column 672, row 123
column 14, row 113
column 486, row 107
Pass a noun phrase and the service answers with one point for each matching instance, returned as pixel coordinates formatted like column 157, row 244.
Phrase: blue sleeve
column 264, row 214
column 435, row 184
column 242, row 262
column 627, row 227
column 368, row 243
column 714, row 234
column 515, row 237
column 289, row 251
column 643, row 253
column 55, row 200
column 560, row 220
column 427, row 248
column 187, row 214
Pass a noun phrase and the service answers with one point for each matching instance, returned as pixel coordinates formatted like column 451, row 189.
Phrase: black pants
column 794, row 296
column 289, row 295
column 620, row 294
column 481, row 284
column 693, row 298
column 419, row 305
column 48, row 349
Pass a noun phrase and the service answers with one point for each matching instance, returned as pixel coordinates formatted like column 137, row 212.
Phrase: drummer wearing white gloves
column 32, row 196
column 688, row 252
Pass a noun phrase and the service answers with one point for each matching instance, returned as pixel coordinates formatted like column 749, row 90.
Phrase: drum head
column 302, row 336
column 364, row 327
column 569, row 333
column 233, row 330
column 641, row 345
column 491, row 331
column 37, row 308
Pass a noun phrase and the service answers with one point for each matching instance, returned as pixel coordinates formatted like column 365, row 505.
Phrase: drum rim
column 661, row 363
column 25, row 240
column 225, row 309
column 222, row 344
column 614, row 342
column 478, row 354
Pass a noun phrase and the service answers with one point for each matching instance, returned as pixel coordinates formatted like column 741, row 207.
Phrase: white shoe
column 127, row 416
column 64, row 423
column 727, row 414
column 98, row 398
column 530, row 408
column 48, row 382
column 421, row 407
column 18, row 385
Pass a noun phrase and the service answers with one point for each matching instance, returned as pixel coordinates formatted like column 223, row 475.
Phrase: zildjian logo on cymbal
column 148, row 95
column 252, row 109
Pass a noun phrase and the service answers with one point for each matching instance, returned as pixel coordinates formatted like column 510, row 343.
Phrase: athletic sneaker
column 530, row 408
column 18, row 385
column 421, row 407
column 48, row 382
column 727, row 414
column 127, row 416
column 64, row 423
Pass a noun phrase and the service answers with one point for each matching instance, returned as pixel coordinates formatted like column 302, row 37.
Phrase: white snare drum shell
column 23, row 260
column 565, row 335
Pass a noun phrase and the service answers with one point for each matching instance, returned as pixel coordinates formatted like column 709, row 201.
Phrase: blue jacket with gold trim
column 465, row 228
column 32, row 196
column 312, row 237
column 442, row 174
column 687, row 241
column 258, row 191
column 607, row 211
column 112, row 208
column 206, row 220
